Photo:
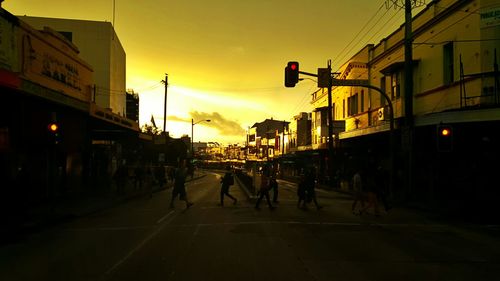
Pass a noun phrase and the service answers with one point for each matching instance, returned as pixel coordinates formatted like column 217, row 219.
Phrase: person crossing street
column 226, row 181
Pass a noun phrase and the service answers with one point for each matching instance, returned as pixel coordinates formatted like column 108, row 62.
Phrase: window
column 395, row 85
column 67, row 35
column 324, row 118
column 448, row 63
column 343, row 108
column 383, row 88
column 362, row 102
column 352, row 105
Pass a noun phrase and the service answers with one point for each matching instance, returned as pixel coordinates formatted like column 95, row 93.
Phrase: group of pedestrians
column 268, row 182
column 306, row 190
column 369, row 188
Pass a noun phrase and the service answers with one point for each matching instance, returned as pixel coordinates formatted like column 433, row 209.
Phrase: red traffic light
column 53, row 127
column 291, row 74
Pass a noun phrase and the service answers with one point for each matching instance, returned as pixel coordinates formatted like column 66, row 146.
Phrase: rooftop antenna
column 113, row 36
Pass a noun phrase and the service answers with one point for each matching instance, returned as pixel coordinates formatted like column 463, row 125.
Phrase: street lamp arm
column 192, row 133
column 194, row 123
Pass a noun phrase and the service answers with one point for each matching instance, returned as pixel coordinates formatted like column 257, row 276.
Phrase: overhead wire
column 344, row 51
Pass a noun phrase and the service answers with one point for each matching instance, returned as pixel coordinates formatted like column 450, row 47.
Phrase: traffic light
column 53, row 128
column 291, row 74
column 444, row 138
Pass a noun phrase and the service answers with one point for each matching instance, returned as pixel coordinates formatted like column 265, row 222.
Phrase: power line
column 341, row 53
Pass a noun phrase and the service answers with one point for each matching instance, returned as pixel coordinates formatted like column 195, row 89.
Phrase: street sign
column 324, row 76
column 349, row 82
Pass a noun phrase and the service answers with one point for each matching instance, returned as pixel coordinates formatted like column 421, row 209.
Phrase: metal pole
column 192, row 138
column 165, row 106
column 283, row 141
column 408, row 101
column 330, row 125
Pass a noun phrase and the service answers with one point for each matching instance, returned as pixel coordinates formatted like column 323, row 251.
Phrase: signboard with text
column 53, row 63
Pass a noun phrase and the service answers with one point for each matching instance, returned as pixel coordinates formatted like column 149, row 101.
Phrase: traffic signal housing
column 53, row 129
column 444, row 138
column 291, row 74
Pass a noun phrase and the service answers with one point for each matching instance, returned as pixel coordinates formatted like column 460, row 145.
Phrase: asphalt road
column 144, row 240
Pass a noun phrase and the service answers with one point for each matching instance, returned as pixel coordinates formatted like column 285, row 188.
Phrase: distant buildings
column 265, row 139
column 132, row 105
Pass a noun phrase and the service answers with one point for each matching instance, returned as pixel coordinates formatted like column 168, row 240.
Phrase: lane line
column 139, row 246
column 164, row 217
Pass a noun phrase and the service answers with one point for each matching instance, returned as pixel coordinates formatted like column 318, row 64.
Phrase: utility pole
column 408, row 101
column 283, row 140
column 407, row 129
column 330, row 125
column 165, row 105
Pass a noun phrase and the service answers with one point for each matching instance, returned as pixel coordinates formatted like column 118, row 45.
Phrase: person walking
column 160, row 175
column 380, row 187
column 226, row 181
column 138, row 176
column 370, row 189
column 301, row 193
column 310, row 186
column 264, row 189
column 179, row 185
column 358, row 191
column 273, row 184
column 120, row 178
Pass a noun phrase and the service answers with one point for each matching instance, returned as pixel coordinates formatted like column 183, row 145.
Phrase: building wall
column 468, row 29
column 100, row 47
column 51, row 61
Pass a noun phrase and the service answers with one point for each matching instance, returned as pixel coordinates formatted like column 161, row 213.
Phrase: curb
column 245, row 189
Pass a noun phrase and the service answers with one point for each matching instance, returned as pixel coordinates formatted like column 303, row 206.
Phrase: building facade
column 100, row 47
column 455, row 82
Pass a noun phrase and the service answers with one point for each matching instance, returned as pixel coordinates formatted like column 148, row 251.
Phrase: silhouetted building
column 133, row 106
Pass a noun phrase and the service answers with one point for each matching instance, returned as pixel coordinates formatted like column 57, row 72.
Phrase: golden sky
column 225, row 58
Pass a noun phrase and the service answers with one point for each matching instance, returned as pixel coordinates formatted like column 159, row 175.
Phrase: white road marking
column 164, row 217
column 140, row 245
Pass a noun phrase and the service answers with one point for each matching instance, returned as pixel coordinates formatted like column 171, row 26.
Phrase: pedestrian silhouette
column 179, row 185
column 139, row 176
column 264, row 188
column 226, row 181
column 301, row 192
column 273, row 185
column 359, row 196
column 160, row 175
column 310, row 188
column 371, row 195
column 120, row 178
column 381, row 178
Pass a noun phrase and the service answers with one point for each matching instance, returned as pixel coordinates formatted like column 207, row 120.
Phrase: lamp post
column 192, row 136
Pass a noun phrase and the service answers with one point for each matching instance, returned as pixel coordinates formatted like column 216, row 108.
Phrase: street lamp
column 192, row 137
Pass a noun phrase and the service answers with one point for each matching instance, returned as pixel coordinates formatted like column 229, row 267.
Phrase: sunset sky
column 225, row 58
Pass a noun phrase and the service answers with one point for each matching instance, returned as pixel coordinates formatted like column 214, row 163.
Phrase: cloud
column 177, row 118
column 217, row 121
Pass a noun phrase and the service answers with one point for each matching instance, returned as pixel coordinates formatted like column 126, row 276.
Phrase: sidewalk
column 74, row 205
